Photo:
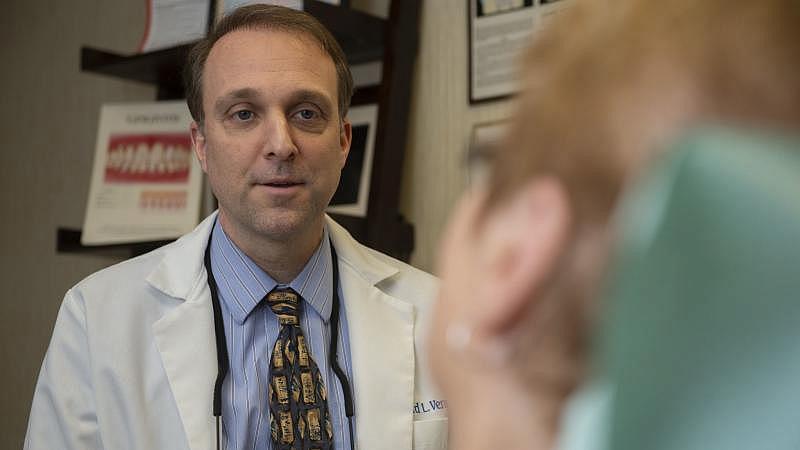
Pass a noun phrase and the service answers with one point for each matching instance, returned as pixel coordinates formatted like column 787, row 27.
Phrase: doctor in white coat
column 133, row 358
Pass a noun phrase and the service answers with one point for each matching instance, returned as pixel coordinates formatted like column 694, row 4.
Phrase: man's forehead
column 268, row 43
column 259, row 56
column 249, row 52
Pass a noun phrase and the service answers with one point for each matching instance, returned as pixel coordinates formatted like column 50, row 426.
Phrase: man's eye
column 244, row 115
column 307, row 114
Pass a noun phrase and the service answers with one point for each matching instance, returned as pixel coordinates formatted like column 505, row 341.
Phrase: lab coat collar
column 360, row 258
column 181, row 269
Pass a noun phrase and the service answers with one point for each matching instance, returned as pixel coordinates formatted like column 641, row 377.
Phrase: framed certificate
column 485, row 139
column 498, row 31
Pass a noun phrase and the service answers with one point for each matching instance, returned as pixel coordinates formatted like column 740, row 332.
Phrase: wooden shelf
column 68, row 240
column 361, row 36
column 161, row 68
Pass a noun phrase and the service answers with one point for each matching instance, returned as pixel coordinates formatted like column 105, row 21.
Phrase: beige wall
column 48, row 119
column 441, row 124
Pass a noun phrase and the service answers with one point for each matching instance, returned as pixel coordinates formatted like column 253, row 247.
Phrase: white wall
column 441, row 121
column 48, row 119
column 441, row 124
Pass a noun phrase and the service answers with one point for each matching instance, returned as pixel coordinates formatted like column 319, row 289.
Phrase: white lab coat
column 132, row 361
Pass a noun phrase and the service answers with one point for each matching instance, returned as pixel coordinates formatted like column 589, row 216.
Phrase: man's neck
column 283, row 258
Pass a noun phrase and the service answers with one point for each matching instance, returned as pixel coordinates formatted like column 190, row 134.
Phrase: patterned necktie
column 298, row 401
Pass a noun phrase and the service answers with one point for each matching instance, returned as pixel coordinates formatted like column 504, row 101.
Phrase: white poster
column 146, row 181
column 174, row 22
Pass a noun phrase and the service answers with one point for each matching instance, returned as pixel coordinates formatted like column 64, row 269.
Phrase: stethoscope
column 222, row 347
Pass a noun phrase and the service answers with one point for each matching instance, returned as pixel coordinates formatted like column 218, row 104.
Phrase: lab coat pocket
column 430, row 434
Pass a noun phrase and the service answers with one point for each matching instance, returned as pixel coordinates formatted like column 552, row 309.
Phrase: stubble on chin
column 284, row 224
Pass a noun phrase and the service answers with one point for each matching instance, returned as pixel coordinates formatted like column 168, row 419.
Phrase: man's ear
column 199, row 144
column 345, row 138
column 522, row 242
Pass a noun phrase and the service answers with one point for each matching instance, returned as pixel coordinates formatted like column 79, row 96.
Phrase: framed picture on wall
column 146, row 183
column 353, row 193
column 485, row 139
column 498, row 31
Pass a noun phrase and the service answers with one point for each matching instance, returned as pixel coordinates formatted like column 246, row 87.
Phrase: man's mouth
column 282, row 183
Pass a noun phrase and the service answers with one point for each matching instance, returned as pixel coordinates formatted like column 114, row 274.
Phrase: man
column 133, row 361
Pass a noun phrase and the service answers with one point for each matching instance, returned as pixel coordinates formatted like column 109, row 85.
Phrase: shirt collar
column 242, row 284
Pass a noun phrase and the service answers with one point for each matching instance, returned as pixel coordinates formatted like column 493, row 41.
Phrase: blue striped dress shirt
column 252, row 328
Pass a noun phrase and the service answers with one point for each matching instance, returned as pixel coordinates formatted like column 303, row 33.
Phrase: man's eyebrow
column 237, row 94
column 312, row 96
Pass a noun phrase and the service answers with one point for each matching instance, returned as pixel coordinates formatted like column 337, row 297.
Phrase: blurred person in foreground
column 604, row 92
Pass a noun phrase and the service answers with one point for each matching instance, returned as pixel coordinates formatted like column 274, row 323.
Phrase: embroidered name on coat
column 429, row 406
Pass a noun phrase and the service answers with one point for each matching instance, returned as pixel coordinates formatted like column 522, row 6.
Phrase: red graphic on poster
column 162, row 200
column 148, row 158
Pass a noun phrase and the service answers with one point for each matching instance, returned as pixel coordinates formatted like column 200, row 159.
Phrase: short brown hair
column 264, row 17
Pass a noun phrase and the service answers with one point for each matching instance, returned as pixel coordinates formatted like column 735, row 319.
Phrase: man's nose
column 278, row 142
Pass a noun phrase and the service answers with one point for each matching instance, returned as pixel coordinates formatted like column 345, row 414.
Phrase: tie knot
column 285, row 303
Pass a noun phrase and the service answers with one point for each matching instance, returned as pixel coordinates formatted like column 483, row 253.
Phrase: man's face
column 272, row 143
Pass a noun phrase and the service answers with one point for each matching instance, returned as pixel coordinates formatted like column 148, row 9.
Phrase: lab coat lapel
column 381, row 346
column 184, row 336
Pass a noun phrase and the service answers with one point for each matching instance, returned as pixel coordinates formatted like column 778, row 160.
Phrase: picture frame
column 146, row 184
column 498, row 31
column 484, row 140
column 352, row 195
